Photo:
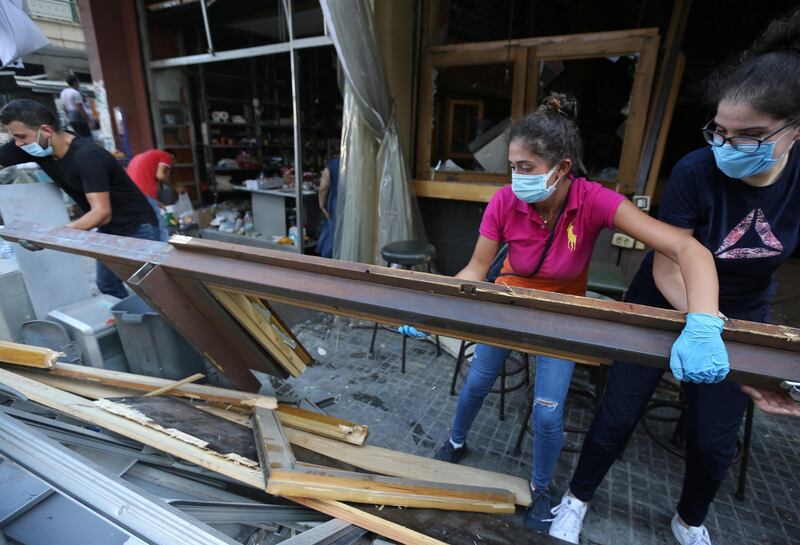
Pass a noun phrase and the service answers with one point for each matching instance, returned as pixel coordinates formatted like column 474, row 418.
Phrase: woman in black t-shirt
column 740, row 197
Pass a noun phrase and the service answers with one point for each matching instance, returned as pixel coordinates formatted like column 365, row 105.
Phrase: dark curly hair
column 551, row 132
column 767, row 76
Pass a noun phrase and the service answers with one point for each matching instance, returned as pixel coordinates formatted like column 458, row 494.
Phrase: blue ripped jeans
column 553, row 376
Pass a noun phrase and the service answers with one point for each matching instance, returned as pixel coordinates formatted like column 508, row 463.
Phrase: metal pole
column 298, row 152
column 204, row 9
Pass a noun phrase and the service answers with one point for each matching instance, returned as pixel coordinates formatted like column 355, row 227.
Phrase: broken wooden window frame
column 284, row 476
column 527, row 55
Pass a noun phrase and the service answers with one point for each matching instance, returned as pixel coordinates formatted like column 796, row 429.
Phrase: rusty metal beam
column 442, row 305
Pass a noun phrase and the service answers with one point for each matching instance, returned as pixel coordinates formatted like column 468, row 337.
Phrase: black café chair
column 406, row 254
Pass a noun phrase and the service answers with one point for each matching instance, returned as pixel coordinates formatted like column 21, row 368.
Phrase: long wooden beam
column 525, row 320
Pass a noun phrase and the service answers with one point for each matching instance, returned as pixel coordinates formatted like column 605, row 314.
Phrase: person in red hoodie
column 149, row 169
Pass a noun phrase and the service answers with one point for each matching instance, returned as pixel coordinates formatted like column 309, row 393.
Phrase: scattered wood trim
column 274, row 451
column 399, row 464
column 322, row 424
column 257, row 320
column 85, row 410
column 30, row 356
column 94, row 387
column 143, row 383
column 331, row 484
column 285, row 477
column 169, row 387
column 368, row 521
column 132, row 413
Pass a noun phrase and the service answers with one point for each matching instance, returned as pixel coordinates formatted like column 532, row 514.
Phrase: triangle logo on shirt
column 755, row 219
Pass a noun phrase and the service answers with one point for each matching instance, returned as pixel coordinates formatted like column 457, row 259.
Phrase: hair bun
column 566, row 105
column 781, row 35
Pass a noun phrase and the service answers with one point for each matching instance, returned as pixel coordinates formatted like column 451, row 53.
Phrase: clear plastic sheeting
column 19, row 35
column 376, row 204
column 357, row 200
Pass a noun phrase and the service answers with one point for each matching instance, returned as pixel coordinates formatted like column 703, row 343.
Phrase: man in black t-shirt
column 86, row 172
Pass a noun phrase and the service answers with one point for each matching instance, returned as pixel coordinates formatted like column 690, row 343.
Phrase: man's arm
column 324, row 186
column 99, row 212
column 11, row 155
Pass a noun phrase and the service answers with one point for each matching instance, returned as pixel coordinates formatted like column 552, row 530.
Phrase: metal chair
column 407, row 254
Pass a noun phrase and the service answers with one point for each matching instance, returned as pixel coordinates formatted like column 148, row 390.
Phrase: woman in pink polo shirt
column 550, row 220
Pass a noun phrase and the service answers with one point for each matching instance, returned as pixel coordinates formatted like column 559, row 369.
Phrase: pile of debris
column 211, row 444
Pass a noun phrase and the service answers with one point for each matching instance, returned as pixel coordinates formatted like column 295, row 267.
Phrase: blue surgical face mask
column 35, row 149
column 741, row 164
column 532, row 188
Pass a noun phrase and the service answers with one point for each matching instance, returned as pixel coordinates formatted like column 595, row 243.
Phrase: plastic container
column 152, row 347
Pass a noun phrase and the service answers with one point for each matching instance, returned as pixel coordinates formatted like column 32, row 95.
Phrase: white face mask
column 532, row 188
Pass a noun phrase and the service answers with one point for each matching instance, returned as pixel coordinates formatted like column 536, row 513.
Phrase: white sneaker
column 691, row 535
column 568, row 518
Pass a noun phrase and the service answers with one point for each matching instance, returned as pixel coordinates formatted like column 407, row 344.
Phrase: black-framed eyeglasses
column 746, row 144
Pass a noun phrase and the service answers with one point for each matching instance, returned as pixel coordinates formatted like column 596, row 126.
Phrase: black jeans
column 713, row 419
column 108, row 282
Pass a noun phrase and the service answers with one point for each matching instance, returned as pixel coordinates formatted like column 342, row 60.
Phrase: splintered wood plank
column 273, row 448
column 29, row 356
column 255, row 318
column 147, row 384
column 88, row 411
column 166, row 389
column 187, row 422
column 368, row 521
column 321, row 424
column 325, row 483
column 399, row 464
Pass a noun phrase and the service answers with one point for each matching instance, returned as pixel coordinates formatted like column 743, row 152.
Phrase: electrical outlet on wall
column 621, row 240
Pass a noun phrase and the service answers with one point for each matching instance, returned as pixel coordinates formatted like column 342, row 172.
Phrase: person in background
column 740, row 198
column 550, row 218
column 328, row 190
column 75, row 107
column 149, row 169
column 89, row 174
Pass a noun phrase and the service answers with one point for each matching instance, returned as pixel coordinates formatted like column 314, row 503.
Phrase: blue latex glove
column 699, row 354
column 411, row 331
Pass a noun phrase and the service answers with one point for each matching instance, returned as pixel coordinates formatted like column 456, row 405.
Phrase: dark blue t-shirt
column 749, row 230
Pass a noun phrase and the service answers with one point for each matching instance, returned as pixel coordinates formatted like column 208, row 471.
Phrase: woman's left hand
column 773, row 401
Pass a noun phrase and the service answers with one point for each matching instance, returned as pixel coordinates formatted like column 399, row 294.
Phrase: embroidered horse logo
column 572, row 240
